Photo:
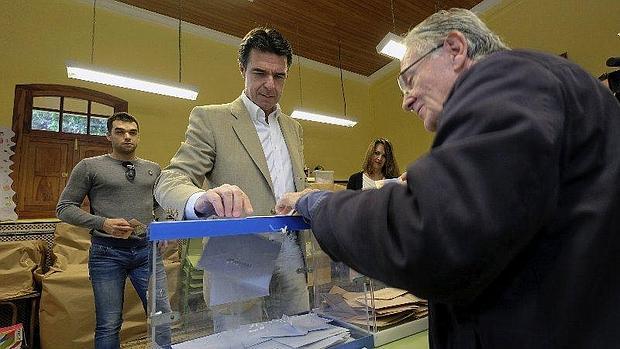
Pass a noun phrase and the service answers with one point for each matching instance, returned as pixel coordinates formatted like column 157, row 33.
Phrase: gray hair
column 481, row 41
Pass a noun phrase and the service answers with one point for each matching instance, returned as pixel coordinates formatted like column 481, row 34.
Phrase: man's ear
column 242, row 70
column 457, row 46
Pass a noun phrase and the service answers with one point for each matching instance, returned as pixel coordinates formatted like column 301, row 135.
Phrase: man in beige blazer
column 247, row 154
column 223, row 147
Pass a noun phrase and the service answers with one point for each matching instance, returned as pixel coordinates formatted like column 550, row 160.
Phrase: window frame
column 30, row 91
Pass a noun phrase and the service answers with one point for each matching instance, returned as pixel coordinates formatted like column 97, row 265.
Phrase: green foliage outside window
column 98, row 126
column 45, row 120
column 74, row 123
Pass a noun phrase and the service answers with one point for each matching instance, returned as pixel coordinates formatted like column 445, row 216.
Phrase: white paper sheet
column 239, row 267
column 275, row 334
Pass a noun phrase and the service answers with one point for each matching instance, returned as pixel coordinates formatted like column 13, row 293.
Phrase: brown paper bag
column 67, row 310
column 18, row 262
column 71, row 245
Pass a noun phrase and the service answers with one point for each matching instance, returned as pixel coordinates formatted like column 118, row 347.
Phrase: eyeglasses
column 130, row 170
column 402, row 81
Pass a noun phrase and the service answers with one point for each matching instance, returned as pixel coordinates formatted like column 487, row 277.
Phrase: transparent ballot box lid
column 243, row 283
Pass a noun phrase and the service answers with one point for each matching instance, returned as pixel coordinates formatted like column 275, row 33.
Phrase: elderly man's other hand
column 287, row 202
column 226, row 200
column 403, row 177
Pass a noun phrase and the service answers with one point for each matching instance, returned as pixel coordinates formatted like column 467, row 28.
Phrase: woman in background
column 379, row 164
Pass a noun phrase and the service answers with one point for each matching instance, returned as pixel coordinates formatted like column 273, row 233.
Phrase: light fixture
column 108, row 77
column 391, row 45
column 322, row 118
column 326, row 119
column 120, row 79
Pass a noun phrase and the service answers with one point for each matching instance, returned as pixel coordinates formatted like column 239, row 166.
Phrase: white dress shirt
column 274, row 147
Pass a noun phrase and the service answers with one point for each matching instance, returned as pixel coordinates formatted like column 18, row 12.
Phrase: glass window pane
column 73, row 123
column 45, row 120
column 46, row 102
column 75, row 105
column 98, row 126
column 101, row 109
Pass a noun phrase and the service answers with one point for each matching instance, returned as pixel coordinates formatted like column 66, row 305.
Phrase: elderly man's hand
column 403, row 177
column 226, row 200
column 287, row 202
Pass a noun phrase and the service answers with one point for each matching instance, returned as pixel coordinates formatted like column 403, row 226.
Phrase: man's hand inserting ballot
column 224, row 201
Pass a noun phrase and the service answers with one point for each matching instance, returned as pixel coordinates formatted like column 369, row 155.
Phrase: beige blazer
column 222, row 146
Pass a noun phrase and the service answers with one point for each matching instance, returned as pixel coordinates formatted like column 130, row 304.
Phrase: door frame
column 22, row 116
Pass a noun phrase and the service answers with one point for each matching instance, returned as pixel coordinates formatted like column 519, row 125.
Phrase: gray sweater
column 111, row 195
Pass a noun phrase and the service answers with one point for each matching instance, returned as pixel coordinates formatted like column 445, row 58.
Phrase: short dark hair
column 122, row 116
column 265, row 40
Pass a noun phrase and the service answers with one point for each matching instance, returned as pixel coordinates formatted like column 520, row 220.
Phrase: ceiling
column 315, row 28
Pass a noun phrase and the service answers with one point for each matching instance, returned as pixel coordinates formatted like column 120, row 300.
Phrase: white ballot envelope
column 239, row 267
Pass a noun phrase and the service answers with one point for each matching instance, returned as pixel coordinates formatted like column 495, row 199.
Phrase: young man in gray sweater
column 119, row 187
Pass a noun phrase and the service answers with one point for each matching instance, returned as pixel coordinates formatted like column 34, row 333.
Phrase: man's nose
column 270, row 82
column 408, row 101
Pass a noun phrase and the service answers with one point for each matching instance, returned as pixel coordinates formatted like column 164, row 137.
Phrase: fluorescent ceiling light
column 304, row 115
column 392, row 46
column 107, row 77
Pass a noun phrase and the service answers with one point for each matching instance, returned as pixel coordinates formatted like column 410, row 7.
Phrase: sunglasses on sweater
column 130, row 170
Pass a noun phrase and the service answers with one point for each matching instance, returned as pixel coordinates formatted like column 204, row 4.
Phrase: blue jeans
column 109, row 267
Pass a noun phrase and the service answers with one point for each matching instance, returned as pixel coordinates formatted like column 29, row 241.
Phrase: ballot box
column 340, row 292
column 254, row 282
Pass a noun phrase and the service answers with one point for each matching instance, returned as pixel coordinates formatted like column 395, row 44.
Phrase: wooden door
column 43, row 175
column 45, row 170
column 44, row 158
column 87, row 150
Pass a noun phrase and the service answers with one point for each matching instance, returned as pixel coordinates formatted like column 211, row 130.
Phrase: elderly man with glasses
column 510, row 224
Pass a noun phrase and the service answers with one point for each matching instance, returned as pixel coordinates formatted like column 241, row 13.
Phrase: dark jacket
column 355, row 181
column 510, row 225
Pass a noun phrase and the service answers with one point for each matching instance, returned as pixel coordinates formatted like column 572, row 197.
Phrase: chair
column 12, row 312
column 29, row 304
